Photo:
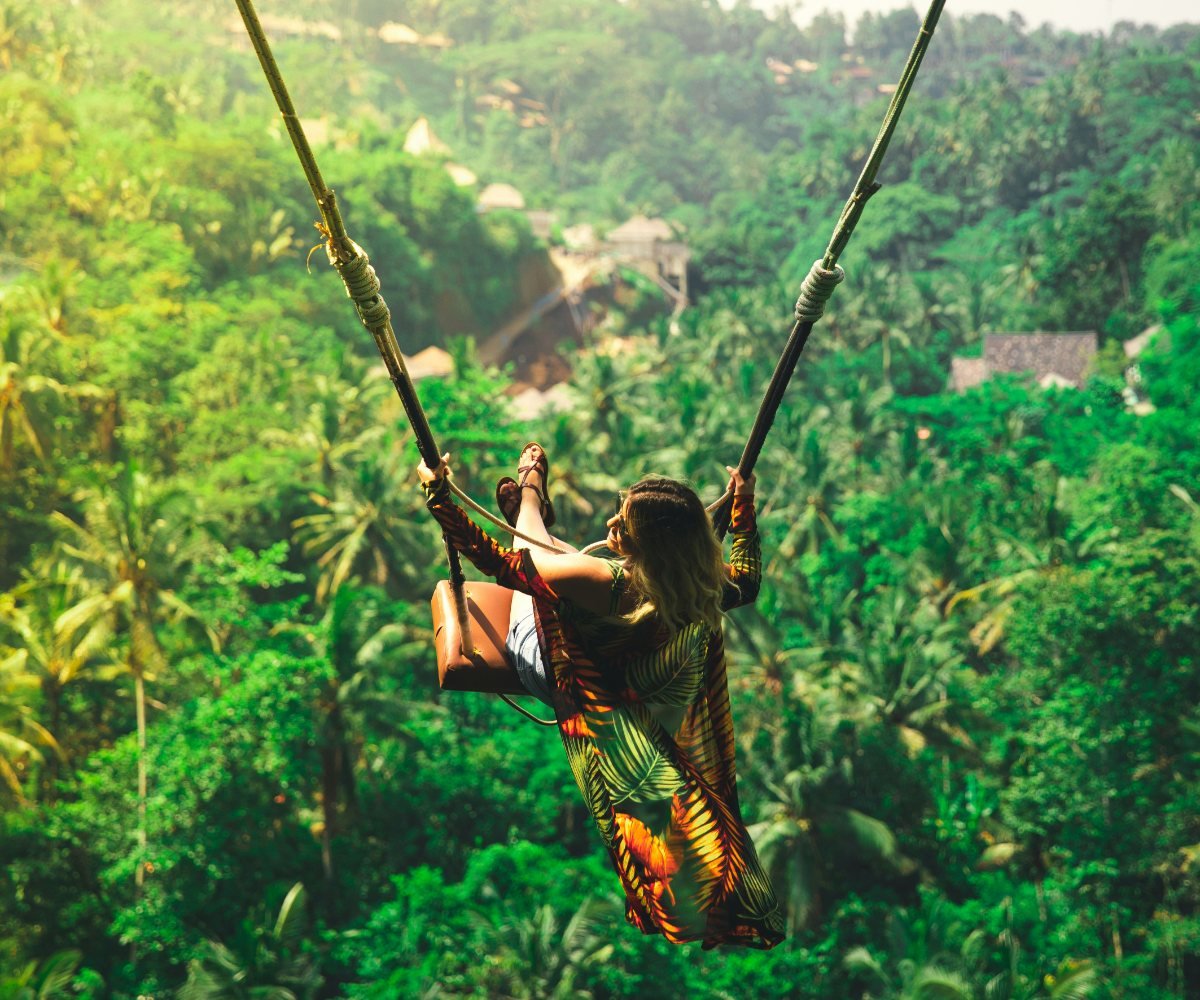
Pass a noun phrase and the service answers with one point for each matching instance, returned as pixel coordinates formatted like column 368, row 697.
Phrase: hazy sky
column 1077, row 15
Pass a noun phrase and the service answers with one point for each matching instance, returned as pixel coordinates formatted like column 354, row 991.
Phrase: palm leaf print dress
column 645, row 721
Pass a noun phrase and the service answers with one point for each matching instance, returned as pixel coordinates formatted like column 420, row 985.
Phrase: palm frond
column 934, row 983
column 289, row 925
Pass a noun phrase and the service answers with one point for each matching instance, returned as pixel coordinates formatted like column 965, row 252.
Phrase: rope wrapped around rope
column 362, row 285
column 815, row 292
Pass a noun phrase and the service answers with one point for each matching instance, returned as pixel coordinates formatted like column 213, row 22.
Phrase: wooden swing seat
column 485, row 668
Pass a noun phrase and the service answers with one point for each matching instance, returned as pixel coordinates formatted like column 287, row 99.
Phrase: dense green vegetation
column 968, row 696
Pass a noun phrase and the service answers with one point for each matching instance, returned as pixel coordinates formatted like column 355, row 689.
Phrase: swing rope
column 825, row 274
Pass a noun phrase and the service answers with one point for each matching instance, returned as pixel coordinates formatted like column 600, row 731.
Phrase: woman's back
column 658, row 667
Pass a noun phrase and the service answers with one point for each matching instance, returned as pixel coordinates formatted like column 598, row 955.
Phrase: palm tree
column 756, row 651
column 546, row 957
column 583, row 490
column 921, row 965
column 1175, row 188
column 49, row 979
column 803, row 781
column 918, row 965
column 339, row 425
column 21, row 735
column 903, row 668
column 31, row 614
column 48, row 296
column 131, row 546
column 369, row 525
column 965, row 294
column 861, row 421
column 1193, row 508
column 1063, row 543
column 273, row 966
column 814, row 480
column 936, row 568
column 26, row 392
column 351, row 639
column 613, row 407
column 23, row 391
column 24, row 31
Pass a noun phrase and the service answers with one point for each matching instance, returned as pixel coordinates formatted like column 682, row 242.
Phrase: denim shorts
column 525, row 653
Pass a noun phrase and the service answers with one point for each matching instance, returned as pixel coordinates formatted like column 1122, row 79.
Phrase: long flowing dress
column 645, row 721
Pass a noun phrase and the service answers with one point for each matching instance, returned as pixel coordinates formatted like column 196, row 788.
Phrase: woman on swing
column 629, row 653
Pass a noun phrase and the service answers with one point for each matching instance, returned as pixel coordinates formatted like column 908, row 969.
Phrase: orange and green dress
column 644, row 717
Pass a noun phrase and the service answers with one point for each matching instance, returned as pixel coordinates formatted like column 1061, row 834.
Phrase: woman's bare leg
column 529, row 522
column 529, row 517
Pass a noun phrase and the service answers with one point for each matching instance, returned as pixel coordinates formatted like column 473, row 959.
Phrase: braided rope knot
column 815, row 291
column 362, row 285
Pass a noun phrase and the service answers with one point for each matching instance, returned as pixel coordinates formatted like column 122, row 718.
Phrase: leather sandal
column 508, row 499
column 542, row 466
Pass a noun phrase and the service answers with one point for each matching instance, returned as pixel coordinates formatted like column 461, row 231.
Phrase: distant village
column 651, row 247
column 586, row 261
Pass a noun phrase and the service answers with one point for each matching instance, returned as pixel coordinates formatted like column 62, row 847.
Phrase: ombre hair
column 674, row 561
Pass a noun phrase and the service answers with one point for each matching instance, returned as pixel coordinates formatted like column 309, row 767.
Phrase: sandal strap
column 536, row 489
column 540, row 465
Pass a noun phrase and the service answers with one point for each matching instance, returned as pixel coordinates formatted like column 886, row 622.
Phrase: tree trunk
column 329, row 796
column 139, row 686
column 139, row 873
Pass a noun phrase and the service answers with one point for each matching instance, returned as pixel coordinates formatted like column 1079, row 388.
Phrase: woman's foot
column 533, row 472
column 508, row 499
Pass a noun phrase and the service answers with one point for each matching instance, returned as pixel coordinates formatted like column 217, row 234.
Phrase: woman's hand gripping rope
column 738, row 485
column 430, row 476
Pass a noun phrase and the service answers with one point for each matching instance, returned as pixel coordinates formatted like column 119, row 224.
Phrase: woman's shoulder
column 582, row 579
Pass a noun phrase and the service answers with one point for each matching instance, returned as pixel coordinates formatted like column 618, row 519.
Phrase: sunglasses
column 620, row 525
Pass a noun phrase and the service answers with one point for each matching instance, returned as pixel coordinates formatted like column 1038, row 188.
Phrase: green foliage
column 272, row 964
column 966, row 696
column 1091, row 261
column 46, row 980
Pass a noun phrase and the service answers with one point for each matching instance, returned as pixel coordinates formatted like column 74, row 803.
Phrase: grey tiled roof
column 1064, row 354
column 1051, row 358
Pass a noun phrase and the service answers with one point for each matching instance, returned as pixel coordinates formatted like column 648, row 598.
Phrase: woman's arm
column 745, row 559
column 508, row 567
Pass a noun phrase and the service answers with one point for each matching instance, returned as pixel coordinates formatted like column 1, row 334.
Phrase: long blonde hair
column 674, row 561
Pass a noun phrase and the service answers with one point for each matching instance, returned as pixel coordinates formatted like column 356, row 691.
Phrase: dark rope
column 825, row 274
column 362, row 284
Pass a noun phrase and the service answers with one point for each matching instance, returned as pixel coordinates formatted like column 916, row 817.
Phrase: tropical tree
column 1066, row 542
column 903, row 666
column 48, row 295
column 49, row 979
column 338, row 425
column 862, row 423
column 583, row 489
column 31, row 615
column 925, row 960
column 25, row 390
column 21, row 735
column 31, row 37
column 270, row 964
column 816, row 482
column 355, row 699
column 367, row 525
column 535, row 955
column 132, row 544
column 798, row 767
